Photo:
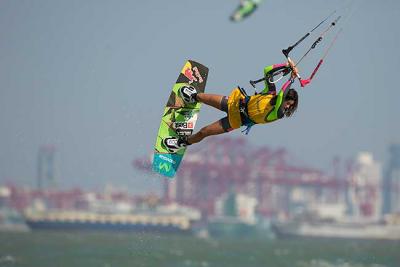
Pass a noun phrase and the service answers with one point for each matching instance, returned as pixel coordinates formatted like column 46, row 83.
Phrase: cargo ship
column 142, row 221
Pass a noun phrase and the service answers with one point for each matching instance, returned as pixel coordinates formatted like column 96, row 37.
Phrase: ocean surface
column 87, row 249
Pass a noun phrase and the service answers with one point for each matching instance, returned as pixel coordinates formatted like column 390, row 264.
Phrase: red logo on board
column 193, row 78
column 189, row 75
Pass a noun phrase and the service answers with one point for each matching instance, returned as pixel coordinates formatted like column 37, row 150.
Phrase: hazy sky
column 92, row 78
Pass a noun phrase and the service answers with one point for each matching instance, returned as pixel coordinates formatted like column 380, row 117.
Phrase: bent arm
column 270, row 72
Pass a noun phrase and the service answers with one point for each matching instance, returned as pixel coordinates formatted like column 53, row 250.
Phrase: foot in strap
column 174, row 144
column 188, row 94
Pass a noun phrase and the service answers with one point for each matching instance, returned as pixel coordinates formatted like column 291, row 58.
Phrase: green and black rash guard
column 269, row 73
column 275, row 109
column 260, row 108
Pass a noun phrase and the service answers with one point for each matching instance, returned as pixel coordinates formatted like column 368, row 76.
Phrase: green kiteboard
column 178, row 118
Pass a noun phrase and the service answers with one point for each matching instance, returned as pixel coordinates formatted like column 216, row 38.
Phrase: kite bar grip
column 287, row 51
column 290, row 48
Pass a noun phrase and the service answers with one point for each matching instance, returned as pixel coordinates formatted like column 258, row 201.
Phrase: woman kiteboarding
column 244, row 110
column 241, row 109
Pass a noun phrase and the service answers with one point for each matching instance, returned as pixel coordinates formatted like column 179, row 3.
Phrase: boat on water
column 158, row 220
column 346, row 229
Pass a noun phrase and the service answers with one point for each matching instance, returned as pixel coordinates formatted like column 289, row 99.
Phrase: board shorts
column 225, row 121
column 257, row 107
column 234, row 99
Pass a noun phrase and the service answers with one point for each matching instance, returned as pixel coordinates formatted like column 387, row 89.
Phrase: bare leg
column 211, row 129
column 210, row 99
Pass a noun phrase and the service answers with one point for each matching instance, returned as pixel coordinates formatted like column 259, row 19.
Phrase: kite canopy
column 245, row 9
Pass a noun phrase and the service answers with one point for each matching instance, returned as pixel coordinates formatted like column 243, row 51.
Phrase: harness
column 244, row 114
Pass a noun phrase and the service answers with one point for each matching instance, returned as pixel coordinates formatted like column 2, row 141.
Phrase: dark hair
column 291, row 95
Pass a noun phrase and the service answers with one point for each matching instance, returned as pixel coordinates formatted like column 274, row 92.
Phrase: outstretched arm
column 269, row 73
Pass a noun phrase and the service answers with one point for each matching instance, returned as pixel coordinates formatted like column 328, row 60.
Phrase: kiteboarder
column 244, row 110
column 241, row 109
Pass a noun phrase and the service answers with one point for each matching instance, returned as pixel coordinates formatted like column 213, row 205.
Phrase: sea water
column 99, row 249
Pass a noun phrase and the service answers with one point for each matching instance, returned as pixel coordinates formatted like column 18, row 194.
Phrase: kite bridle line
column 307, row 81
column 318, row 40
column 290, row 48
column 287, row 51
